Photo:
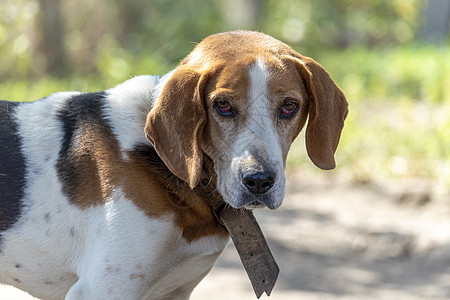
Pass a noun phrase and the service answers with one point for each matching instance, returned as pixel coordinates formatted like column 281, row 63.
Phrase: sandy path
column 341, row 241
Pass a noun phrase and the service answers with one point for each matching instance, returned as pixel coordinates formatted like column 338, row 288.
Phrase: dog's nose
column 259, row 182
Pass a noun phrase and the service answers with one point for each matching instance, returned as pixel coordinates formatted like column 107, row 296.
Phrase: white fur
column 134, row 255
column 262, row 127
column 128, row 106
column 258, row 134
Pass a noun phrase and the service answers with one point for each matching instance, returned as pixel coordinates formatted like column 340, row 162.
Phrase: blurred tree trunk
column 437, row 19
column 51, row 44
column 131, row 16
column 242, row 14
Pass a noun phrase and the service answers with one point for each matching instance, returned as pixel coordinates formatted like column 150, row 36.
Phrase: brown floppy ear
column 327, row 111
column 175, row 124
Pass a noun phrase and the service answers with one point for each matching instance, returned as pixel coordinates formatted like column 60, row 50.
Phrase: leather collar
column 247, row 237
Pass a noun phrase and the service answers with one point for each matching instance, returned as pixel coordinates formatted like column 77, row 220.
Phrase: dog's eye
column 223, row 107
column 289, row 108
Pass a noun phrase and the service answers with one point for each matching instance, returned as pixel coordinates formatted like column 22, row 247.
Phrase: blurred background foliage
column 391, row 57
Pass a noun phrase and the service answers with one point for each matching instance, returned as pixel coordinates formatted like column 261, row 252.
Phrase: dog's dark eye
column 289, row 108
column 224, row 107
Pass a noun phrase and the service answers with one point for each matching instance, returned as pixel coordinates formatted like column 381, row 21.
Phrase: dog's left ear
column 175, row 124
column 327, row 110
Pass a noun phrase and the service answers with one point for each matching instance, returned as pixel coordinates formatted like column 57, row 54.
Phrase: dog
column 96, row 189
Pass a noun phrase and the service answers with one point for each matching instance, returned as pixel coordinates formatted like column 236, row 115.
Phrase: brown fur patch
column 95, row 158
column 150, row 179
column 87, row 147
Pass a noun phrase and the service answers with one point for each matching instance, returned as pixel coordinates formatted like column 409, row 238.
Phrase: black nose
column 258, row 183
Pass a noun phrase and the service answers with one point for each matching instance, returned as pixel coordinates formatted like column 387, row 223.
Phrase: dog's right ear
column 175, row 124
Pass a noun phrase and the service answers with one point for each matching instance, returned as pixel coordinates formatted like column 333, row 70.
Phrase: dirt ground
column 335, row 240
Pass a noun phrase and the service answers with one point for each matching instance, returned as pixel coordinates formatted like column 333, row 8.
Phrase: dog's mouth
column 235, row 193
column 254, row 205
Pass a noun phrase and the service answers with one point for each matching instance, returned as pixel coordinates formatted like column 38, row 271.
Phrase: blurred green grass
column 399, row 120
column 399, row 97
column 417, row 72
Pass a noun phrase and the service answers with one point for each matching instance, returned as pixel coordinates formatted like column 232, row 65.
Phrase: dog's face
column 241, row 98
column 255, row 110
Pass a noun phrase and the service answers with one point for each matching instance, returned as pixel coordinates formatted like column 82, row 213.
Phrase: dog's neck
column 195, row 203
column 175, row 185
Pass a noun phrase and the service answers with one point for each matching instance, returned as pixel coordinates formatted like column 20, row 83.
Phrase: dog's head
column 241, row 98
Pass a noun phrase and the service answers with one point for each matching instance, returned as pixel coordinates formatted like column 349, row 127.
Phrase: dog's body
column 90, row 209
column 58, row 229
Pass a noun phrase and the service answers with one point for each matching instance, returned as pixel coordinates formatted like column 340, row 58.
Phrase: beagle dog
column 96, row 189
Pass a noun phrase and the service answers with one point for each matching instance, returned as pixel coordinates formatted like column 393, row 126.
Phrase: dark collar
column 247, row 237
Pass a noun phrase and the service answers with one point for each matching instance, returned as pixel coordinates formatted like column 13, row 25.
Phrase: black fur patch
column 149, row 158
column 12, row 168
column 79, row 116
